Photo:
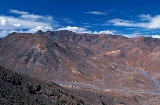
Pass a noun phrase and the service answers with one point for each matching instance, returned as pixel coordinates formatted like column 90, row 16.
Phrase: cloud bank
column 21, row 20
column 84, row 30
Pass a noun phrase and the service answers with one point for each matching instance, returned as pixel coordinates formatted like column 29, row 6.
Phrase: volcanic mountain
column 86, row 61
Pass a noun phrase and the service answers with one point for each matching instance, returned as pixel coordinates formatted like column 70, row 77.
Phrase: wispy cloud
column 149, row 23
column 96, row 13
column 18, row 12
column 27, row 15
column 67, row 20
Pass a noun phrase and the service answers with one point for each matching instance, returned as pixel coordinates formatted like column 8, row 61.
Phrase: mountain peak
column 39, row 32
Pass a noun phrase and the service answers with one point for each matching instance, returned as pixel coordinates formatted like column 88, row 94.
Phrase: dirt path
column 89, row 86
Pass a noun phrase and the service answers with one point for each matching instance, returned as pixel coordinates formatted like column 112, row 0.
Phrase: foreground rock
column 20, row 89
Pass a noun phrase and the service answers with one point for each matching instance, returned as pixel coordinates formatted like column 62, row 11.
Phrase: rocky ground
column 18, row 89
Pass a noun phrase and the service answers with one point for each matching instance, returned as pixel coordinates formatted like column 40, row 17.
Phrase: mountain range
column 114, row 69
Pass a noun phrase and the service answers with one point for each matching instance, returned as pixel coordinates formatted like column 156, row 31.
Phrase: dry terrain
column 113, row 68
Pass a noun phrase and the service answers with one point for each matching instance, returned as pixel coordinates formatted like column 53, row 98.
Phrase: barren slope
column 86, row 61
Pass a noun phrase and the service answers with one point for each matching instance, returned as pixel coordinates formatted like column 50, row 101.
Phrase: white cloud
column 33, row 30
column 133, row 35
column 32, row 16
column 42, row 28
column 150, row 23
column 16, row 25
column 26, row 15
column 84, row 30
column 2, row 21
column 18, row 12
column 155, row 22
column 104, row 32
column 156, row 36
column 25, row 21
column 75, row 29
column 8, row 23
column 121, row 22
column 127, row 23
column 145, row 17
column 96, row 13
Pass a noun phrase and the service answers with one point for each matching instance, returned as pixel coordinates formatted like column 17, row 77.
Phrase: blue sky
column 125, row 17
